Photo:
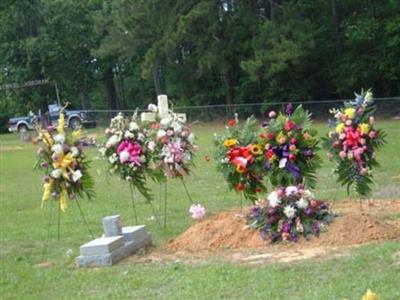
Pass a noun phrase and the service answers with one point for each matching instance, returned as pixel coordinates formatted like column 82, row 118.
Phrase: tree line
column 120, row 54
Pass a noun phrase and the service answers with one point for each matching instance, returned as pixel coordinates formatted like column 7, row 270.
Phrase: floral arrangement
column 291, row 147
column 240, row 157
column 285, row 150
column 173, row 142
column 197, row 211
column 353, row 143
column 65, row 165
column 129, row 152
column 288, row 213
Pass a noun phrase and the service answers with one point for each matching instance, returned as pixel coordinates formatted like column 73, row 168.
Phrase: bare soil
column 226, row 237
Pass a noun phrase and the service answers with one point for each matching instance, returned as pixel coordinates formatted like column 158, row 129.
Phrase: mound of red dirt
column 373, row 222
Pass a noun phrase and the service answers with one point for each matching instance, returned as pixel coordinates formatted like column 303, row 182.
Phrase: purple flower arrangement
column 289, row 213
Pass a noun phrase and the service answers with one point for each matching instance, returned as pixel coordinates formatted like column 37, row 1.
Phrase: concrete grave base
column 99, row 252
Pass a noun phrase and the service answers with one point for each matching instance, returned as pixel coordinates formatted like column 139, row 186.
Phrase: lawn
column 35, row 265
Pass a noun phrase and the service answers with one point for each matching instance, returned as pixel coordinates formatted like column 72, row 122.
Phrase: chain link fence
column 387, row 108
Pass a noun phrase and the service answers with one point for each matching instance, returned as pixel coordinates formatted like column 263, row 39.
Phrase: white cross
column 163, row 111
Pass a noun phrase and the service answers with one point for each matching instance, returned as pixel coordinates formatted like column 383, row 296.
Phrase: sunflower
column 230, row 143
column 256, row 149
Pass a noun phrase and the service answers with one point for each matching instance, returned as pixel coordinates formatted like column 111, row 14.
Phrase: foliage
column 288, row 213
column 353, row 143
column 198, row 52
column 64, row 163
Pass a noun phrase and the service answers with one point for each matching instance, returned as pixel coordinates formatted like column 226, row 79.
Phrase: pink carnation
column 198, row 211
column 134, row 151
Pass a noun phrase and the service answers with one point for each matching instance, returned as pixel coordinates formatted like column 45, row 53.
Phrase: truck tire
column 22, row 128
column 75, row 123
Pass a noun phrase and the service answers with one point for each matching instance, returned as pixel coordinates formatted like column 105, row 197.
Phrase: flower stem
column 84, row 218
column 133, row 203
column 186, row 190
column 155, row 214
column 165, row 204
column 58, row 223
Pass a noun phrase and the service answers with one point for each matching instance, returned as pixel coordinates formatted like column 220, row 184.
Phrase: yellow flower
column 256, row 149
column 46, row 191
column 240, row 169
column 364, row 128
column 230, row 143
column 63, row 200
column 350, row 112
column 370, row 296
column 47, row 139
column 340, row 127
column 61, row 123
column 76, row 134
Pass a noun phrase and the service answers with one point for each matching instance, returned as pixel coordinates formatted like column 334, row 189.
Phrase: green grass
column 28, row 238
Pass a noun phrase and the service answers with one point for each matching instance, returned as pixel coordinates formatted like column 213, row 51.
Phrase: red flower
column 269, row 154
column 292, row 157
column 258, row 190
column 353, row 137
column 293, row 141
column 231, row 122
column 289, row 125
column 240, row 187
column 262, row 136
column 270, row 135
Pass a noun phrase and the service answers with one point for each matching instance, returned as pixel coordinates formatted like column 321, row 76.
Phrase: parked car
column 73, row 119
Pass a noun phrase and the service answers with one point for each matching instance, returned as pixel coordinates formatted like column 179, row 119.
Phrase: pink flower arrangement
column 129, row 151
column 353, row 143
column 197, row 211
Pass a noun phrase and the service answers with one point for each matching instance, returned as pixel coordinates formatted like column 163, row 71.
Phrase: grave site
column 202, row 149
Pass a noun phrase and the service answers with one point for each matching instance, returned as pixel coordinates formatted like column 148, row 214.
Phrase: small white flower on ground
column 161, row 133
column 302, row 203
column 59, row 138
column 69, row 253
column 198, row 211
column 56, row 173
column 129, row 135
column 76, row 175
column 273, row 199
column 291, row 190
column 74, row 151
column 133, row 126
column 57, row 148
column 290, row 211
column 152, row 107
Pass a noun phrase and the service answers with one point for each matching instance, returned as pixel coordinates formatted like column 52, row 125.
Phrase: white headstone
column 112, row 225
